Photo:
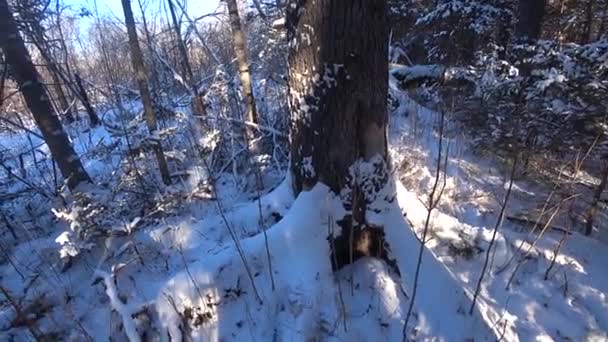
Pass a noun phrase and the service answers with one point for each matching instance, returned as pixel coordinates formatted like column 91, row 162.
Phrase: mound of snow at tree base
column 214, row 299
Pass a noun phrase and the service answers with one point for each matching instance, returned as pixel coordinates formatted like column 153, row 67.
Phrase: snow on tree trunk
column 338, row 80
column 29, row 81
column 142, row 81
column 240, row 49
column 340, row 173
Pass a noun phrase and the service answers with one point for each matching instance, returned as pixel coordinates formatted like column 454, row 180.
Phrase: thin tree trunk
column 93, row 118
column 35, row 31
column 586, row 38
column 198, row 104
column 240, row 49
column 197, row 32
column 181, row 47
column 37, row 99
column 142, row 81
column 64, row 47
column 603, row 19
column 63, row 102
column 338, row 80
column 596, row 200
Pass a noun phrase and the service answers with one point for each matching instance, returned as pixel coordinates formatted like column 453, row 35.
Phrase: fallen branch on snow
column 524, row 221
column 125, row 312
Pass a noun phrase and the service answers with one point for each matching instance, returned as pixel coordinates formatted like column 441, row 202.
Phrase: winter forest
column 303, row 170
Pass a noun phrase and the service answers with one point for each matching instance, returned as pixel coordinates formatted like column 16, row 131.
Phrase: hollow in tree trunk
column 30, row 83
column 338, row 86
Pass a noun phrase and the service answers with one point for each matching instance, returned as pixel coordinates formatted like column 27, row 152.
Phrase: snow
column 256, row 266
column 571, row 304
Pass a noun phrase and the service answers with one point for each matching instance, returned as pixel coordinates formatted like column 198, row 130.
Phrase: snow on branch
column 413, row 76
column 125, row 312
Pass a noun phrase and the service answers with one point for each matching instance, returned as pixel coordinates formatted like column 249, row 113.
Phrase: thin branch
column 499, row 221
column 432, row 203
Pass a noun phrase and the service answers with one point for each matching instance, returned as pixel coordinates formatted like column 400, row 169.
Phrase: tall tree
column 338, row 80
column 240, row 49
column 531, row 13
column 29, row 80
column 142, row 81
column 93, row 118
column 586, row 35
column 198, row 104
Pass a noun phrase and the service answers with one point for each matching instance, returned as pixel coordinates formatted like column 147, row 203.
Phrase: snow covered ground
column 236, row 269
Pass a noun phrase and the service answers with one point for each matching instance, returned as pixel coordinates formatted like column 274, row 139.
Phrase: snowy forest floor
column 178, row 270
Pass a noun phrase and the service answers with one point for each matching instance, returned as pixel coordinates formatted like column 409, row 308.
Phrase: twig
column 432, row 204
column 30, row 325
column 22, row 127
column 244, row 123
column 235, row 239
column 496, row 227
column 259, row 181
column 526, row 221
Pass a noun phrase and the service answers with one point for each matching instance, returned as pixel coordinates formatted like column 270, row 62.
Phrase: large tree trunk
column 338, row 80
column 531, row 13
column 240, row 49
column 29, row 81
column 198, row 103
column 142, row 81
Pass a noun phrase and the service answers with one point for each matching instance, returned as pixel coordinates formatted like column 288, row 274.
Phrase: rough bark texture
column 84, row 98
column 198, row 103
column 240, row 49
column 338, row 79
column 531, row 14
column 142, row 81
column 27, row 77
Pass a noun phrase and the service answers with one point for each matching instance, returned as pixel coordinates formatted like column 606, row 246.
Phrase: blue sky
column 195, row 7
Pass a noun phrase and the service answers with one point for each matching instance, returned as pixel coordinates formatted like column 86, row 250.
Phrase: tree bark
column 586, row 37
column 142, row 81
column 37, row 99
column 240, row 49
column 338, row 80
column 531, row 13
column 93, row 118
